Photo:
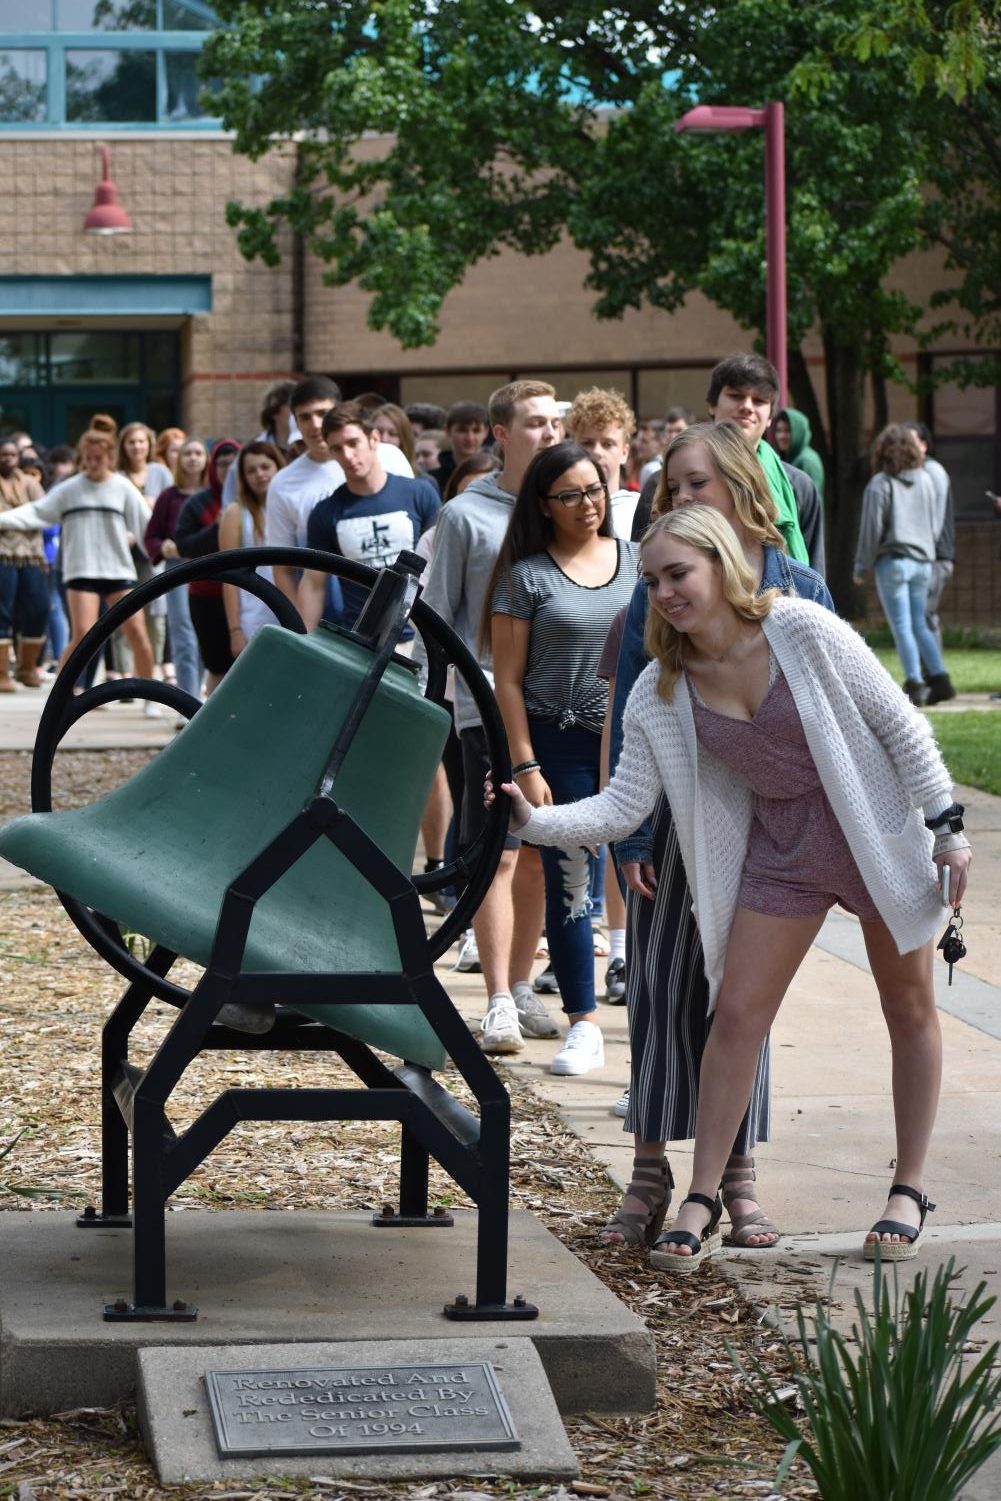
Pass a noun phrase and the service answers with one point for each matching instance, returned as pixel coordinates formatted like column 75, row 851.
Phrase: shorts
column 100, row 586
column 475, row 765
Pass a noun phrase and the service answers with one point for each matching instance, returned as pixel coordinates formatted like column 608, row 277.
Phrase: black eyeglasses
column 571, row 498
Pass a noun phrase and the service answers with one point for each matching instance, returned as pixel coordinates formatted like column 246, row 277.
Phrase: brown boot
column 29, row 649
column 6, row 685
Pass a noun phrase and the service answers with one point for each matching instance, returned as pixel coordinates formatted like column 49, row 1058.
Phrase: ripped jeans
column 570, row 764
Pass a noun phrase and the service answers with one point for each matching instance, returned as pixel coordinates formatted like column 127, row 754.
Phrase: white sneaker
column 500, row 1032
column 152, row 710
column 533, row 1018
column 468, row 962
column 583, row 1049
column 621, row 1106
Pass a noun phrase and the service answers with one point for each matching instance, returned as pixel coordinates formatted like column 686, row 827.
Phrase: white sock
column 616, row 944
column 502, row 999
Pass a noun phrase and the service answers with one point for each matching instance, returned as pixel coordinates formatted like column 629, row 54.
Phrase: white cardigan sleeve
column 616, row 811
column 905, row 735
column 823, row 643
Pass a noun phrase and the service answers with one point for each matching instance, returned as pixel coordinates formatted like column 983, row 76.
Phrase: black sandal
column 906, row 1248
column 701, row 1247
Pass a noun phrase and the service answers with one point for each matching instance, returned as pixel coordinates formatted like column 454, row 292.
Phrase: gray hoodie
column 467, row 540
column 902, row 516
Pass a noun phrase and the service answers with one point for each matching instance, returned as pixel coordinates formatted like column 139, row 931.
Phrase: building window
column 117, row 87
column 23, row 76
column 22, row 359
column 106, row 15
column 80, row 63
column 89, row 358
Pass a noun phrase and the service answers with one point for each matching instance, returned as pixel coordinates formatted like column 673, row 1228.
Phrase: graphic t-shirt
column 372, row 529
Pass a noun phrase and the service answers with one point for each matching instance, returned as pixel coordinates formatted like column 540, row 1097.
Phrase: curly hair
column 598, row 408
column 896, row 449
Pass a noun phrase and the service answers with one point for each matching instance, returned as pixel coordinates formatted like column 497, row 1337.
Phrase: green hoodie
column 780, row 485
column 800, row 454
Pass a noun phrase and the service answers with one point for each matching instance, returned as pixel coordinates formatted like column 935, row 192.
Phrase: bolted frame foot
column 389, row 1218
column 463, row 1311
column 92, row 1219
column 123, row 1312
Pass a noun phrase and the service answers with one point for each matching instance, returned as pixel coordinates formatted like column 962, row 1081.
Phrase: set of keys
column 951, row 943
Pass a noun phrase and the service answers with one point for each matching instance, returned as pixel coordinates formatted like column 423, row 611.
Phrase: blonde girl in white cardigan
column 857, row 797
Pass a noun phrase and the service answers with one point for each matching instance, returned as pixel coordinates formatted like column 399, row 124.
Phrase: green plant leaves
column 897, row 1411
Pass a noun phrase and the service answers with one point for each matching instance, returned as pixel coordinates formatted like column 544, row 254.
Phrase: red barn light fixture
column 106, row 217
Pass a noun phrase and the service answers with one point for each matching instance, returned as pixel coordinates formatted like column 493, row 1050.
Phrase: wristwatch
column 949, row 820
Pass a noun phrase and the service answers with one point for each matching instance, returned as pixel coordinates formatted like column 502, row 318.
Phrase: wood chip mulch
column 703, row 1440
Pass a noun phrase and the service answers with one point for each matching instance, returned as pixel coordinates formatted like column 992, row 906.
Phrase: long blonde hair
column 704, row 528
column 738, row 468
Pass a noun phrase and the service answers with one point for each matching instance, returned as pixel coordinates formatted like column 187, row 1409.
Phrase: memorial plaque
column 400, row 1409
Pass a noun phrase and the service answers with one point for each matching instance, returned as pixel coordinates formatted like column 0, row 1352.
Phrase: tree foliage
column 431, row 133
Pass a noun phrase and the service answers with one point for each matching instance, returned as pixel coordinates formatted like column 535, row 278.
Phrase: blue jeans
column 570, row 761
column 59, row 630
column 184, row 642
column 903, row 591
column 24, row 601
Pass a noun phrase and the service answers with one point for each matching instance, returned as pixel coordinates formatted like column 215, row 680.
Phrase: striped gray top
column 570, row 623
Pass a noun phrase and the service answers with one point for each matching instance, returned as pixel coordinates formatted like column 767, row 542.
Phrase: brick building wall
column 174, row 190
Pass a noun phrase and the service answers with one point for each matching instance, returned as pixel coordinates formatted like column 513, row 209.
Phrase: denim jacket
column 780, row 572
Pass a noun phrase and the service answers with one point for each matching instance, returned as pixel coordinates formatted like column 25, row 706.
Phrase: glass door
column 70, row 409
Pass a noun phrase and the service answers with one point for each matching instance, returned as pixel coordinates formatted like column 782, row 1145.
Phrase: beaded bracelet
column 523, row 766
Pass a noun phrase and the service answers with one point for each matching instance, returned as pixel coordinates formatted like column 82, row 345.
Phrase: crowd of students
column 739, row 745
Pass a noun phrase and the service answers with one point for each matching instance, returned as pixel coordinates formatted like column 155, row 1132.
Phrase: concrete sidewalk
column 121, row 726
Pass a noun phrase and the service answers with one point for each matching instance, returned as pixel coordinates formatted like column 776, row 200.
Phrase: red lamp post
column 106, row 217
column 719, row 117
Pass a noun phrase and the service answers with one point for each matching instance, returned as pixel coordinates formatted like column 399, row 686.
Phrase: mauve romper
column 798, row 861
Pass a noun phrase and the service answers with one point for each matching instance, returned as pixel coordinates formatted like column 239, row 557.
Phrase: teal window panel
column 104, row 296
column 23, row 85
column 103, row 85
column 103, row 63
column 106, row 15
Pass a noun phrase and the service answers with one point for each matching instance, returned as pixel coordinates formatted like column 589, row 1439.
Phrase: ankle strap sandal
column 701, row 1246
column 904, row 1249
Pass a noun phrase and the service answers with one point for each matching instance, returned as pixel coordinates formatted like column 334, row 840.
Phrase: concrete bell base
column 293, row 1278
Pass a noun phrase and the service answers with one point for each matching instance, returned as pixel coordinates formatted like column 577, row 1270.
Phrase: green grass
column 970, row 742
column 973, row 669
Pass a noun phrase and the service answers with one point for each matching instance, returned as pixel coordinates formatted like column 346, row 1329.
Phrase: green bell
column 159, row 853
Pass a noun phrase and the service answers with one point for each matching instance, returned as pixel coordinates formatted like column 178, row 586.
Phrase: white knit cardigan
column 876, row 756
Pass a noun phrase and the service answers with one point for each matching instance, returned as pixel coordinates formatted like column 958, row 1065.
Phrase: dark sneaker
column 546, row 984
column 615, row 983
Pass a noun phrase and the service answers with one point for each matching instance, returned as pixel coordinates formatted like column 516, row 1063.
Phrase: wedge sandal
column 906, row 1248
column 652, row 1183
column 701, row 1246
column 738, row 1183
